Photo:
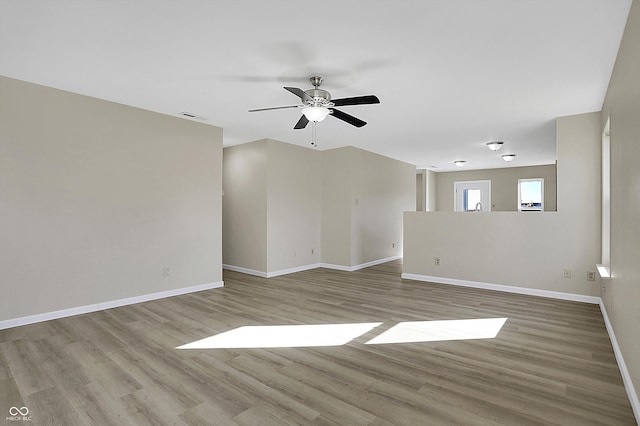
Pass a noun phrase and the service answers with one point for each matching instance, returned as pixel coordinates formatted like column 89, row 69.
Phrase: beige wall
column 336, row 205
column 579, row 175
column 522, row 250
column 293, row 206
column 287, row 207
column 97, row 198
column 504, row 186
column 421, row 191
column 432, row 189
column 426, row 189
column 622, row 104
column 382, row 189
column 505, row 248
column 244, row 206
column 363, row 198
column 271, row 206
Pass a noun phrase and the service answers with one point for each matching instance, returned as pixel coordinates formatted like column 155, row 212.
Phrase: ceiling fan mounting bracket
column 316, row 81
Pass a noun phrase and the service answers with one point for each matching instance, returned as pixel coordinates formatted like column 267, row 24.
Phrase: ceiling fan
column 317, row 105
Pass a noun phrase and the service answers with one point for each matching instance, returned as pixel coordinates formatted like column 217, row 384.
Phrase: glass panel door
column 472, row 196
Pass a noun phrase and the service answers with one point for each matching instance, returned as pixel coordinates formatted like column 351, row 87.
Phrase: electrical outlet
column 591, row 275
column 567, row 273
column 313, row 251
column 436, row 261
column 166, row 272
column 393, row 245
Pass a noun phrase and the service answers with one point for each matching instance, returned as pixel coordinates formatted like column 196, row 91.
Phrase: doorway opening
column 472, row 196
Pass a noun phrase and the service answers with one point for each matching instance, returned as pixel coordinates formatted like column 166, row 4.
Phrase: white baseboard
column 308, row 267
column 292, row 270
column 270, row 274
column 336, row 267
column 506, row 288
column 31, row 319
column 358, row 267
column 244, row 270
column 626, row 377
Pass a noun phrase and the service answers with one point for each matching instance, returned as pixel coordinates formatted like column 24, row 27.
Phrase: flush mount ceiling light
column 494, row 146
column 315, row 113
column 508, row 157
column 459, row 163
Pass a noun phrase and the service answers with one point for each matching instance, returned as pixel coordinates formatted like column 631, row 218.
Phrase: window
column 531, row 195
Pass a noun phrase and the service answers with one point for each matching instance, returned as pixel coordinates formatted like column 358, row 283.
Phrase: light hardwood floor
column 551, row 364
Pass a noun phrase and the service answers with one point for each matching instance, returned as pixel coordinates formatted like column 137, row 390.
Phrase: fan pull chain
column 313, row 134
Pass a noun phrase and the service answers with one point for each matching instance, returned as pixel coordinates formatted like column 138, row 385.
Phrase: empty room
column 337, row 213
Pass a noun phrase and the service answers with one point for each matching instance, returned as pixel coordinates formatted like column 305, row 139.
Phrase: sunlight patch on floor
column 284, row 336
column 435, row 331
column 299, row 336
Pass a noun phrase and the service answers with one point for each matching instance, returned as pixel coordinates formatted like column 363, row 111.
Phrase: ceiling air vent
column 192, row 115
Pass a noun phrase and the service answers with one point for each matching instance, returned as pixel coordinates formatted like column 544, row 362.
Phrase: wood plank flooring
column 551, row 363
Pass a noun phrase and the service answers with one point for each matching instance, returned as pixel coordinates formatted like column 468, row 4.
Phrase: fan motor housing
column 319, row 96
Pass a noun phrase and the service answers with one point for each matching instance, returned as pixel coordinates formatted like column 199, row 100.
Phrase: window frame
column 534, row 209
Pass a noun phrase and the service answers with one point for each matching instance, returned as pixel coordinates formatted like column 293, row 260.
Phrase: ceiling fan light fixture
column 495, row 145
column 460, row 163
column 508, row 157
column 315, row 113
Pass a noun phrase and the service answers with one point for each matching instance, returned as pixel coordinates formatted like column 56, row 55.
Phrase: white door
column 472, row 196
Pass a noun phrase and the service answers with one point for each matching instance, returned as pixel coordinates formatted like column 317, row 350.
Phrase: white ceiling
column 451, row 75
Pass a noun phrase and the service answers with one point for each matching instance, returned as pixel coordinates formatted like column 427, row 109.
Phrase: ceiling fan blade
column 300, row 93
column 358, row 100
column 302, row 123
column 347, row 118
column 280, row 107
